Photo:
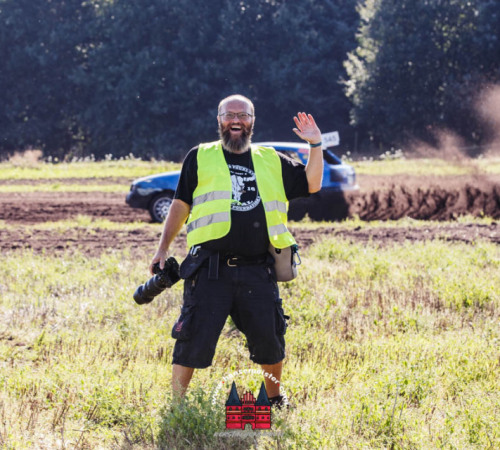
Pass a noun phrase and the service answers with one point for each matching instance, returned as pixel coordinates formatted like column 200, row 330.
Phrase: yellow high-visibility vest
column 210, row 216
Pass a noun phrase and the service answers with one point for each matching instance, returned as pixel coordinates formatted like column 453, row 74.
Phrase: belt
column 216, row 260
column 237, row 260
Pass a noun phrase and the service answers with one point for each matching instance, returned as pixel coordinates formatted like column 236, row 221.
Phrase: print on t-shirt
column 245, row 193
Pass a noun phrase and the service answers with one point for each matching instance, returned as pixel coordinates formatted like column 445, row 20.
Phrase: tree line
column 120, row 76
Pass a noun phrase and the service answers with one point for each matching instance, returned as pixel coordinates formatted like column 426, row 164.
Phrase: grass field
column 388, row 346
column 128, row 168
column 429, row 166
column 62, row 187
column 25, row 169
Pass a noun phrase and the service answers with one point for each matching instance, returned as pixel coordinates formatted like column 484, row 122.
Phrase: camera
column 161, row 280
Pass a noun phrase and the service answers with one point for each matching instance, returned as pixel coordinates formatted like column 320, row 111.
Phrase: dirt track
column 380, row 198
column 426, row 198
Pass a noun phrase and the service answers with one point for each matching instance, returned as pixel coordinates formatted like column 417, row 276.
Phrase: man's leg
column 206, row 307
column 272, row 388
column 181, row 376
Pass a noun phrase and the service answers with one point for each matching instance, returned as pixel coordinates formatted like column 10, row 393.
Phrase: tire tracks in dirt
column 380, row 198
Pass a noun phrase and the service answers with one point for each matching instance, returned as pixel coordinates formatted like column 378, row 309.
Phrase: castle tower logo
column 248, row 410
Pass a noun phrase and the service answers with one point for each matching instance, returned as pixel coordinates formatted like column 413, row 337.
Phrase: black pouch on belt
column 194, row 260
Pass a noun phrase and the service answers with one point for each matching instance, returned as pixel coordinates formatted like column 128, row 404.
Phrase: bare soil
column 379, row 198
column 426, row 198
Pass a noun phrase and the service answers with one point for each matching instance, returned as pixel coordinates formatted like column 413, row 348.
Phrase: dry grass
column 388, row 347
column 26, row 158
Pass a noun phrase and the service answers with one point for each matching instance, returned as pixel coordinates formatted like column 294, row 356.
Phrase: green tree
column 114, row 77
column 149, row 82
column 41, row 43
column 418, row 67
column 290, row 59
column 159, row 72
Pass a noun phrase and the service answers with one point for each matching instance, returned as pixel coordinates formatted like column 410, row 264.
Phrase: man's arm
column 314, row 169
column 176, row 217
column 309, row 131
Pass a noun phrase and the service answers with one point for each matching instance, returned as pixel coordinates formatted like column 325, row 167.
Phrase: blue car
column 156, row 192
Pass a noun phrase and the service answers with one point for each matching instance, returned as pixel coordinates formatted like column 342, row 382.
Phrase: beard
column 239, row 143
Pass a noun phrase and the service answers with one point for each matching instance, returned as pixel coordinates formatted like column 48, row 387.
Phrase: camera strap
column 213, row 266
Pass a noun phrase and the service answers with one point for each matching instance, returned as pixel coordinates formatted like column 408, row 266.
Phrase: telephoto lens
column 162, row 280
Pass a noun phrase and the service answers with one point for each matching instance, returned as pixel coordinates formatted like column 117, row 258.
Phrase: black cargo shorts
column 247, row 293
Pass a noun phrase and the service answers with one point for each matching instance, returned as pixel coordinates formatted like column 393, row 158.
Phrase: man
column 223, row 188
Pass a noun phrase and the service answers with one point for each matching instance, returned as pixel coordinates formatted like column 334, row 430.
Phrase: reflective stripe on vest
column 275, row 204
column 209, row 196
column 268, row 173
column 276, row 230
column 210, row 216
column 208, row 220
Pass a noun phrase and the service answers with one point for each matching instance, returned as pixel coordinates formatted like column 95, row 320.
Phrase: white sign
column 331, row 139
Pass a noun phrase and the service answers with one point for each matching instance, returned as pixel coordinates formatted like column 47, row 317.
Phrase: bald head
column 236, row 98
column 236, row 120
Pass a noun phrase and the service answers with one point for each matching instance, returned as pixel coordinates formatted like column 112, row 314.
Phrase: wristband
column 319, row 144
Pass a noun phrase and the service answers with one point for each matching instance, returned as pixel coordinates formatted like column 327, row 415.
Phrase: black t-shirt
column 248, row 234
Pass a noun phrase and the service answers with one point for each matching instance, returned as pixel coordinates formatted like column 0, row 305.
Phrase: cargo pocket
column 182, row 327
column 281, row 319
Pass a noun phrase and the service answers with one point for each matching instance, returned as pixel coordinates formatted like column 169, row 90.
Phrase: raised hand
column 307, row 128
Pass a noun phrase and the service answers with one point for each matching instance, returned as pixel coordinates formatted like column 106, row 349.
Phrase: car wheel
column 159, row 206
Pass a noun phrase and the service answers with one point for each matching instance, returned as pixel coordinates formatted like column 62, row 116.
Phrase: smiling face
column 236, row 133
